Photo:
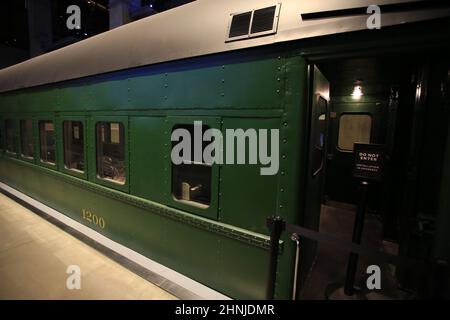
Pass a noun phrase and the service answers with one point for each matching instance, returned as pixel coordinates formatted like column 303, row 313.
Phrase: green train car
column 86, row 130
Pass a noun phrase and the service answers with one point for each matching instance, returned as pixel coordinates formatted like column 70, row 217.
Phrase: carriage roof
column 198, row 28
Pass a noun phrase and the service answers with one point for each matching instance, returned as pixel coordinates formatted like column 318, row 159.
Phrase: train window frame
column 338, row 147
column 210, row 211
column 10, row 153
column 48, row 164
column 92, row 160
column 198, row 166
column 33, row 139
column 62, row 165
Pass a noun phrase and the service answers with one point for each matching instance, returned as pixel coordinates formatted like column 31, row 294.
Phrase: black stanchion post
column 276, row 227
column 349, row 288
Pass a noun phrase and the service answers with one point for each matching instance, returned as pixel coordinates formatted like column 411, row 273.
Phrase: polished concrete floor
column 35, row 255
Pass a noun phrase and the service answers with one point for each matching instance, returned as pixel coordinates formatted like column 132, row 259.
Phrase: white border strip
column 195, row 287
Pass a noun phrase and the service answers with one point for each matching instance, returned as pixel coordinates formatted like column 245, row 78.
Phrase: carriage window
column 111, row 151
column 191, row 180
column 73, row 145
column 47, row 141
column 10, row 135
column 26, row 138
column 354, row 128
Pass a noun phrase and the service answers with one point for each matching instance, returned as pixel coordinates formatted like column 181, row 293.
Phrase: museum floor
column 35, row 255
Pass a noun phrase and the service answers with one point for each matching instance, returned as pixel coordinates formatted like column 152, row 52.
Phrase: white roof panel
column 195, row 29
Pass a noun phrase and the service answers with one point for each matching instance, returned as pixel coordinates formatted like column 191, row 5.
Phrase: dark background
column 29, row 28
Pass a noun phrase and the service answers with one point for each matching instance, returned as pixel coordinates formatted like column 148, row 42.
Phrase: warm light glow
column 357, row 92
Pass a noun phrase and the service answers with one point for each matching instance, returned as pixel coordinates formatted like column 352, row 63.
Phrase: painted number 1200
column 93, row 218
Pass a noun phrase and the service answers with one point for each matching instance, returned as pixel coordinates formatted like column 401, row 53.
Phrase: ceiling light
column 357, row 92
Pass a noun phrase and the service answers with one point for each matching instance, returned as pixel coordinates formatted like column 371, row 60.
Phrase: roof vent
column 263, row 19
column 240, row 24
column 254, row 23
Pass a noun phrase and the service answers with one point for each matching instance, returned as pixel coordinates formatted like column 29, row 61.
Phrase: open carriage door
column 318, row 107
column 317, row 150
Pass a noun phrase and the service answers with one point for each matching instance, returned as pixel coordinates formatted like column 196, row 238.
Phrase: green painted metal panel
column 9, row 102
column 262, row 92
column 110, row 95
column 293, row 164
column 75, row 97
column 256, row 84
column 193, row 252
column 37, row 100
column 204, row 256
column 197, row 88
column 218, row 86
column 147, row 141
column 247, row 198
column 243, row 270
